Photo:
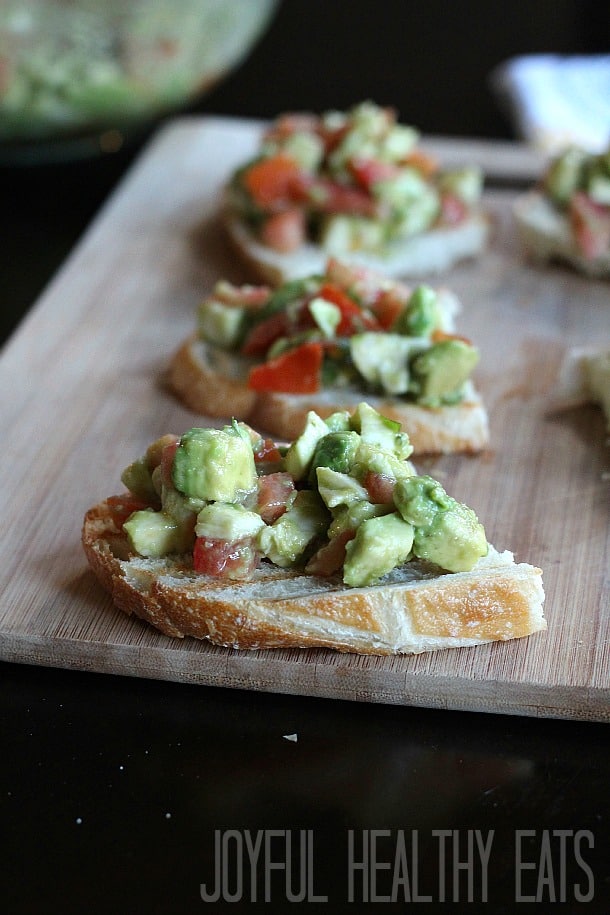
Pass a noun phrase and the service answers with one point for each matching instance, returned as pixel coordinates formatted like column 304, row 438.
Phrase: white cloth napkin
column 555, row 101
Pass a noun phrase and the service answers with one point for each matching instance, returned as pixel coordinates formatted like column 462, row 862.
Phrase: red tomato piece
column 296, row 371
column 331, row 197
column 235, row 560
column 353, row 317
column 379, row 487
column 262, row 335
column 590, row 223
column 270, row 181
column 267, row 452
column 331, row 556
column 453, row 209
column 274, row 493
column 387, row 307
column 123, row 506
column 368, row 172
column 284, row 231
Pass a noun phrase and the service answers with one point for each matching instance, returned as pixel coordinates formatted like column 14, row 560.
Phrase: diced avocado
column 598, row 188
column 304, row 147
column 155, row 534
column 398, row 142
column 137, row 477
column 442, row 369
column 564, row 175
column 401, row 189
column 338, row 488
column 214, row 465
column 326, row 315
column 285, row 541
column 380, row 431
column 379, row 546
column 226, row 521
column 178, row 506
column 447, row 532
column 417, row 213
column 371, row 459
column 340, row 233
column 421, row 315
column 297, row 460
column 336, row 450
column 219, row 323
column 339, row 421
column 383, row 359
column 465, row 183
column 350, row 517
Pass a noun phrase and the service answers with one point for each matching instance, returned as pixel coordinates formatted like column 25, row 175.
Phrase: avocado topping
column 338, row 501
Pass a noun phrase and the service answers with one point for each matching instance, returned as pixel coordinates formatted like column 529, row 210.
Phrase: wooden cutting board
column 82, row 395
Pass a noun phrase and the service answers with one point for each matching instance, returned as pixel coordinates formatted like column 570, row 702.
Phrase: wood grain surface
column 83, row 394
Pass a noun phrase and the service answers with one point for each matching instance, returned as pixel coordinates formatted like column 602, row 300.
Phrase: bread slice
column 546, row 235
column 213, row 382
column 415, row 608
column 427, row 253
column 584, row 377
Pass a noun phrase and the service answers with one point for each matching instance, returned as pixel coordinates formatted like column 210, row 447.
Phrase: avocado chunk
column 465, row 183
column 380, row 431
column 447, row 532
column 219, row 323
column 565, row 174
column 383, row 359
column 350, row 517
column 336, row 450
column 440, row 372
column 137, row 477
column 226, row 521
column 155, row 534
column 421, row 314
column 339, row 421
column 214, row 465
column 372, row 459
column 285, row 541
column 338, row 488
column 326, row 315
column 297, row 460
column 379, row 546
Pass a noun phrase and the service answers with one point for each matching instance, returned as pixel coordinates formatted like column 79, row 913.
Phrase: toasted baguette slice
column 415, row 608
column 429, row 252
column 546, row 235
column 585, row 378
column 213, row 382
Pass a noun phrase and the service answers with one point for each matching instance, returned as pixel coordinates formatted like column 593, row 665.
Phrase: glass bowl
column 79, row 77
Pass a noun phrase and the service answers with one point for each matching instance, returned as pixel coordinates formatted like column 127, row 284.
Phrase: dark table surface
column 126, row 795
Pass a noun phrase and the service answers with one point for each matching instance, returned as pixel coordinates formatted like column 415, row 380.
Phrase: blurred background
column 429, row 60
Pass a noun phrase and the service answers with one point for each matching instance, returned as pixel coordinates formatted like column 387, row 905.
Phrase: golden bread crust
column 417, row 609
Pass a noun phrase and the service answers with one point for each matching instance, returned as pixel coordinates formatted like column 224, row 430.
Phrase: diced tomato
column 379, row 487
column 387, row 307
column 290, row 123
column 453, row 209
column 271, row 181
column 296, row 371
column 438, row 335
column 262, row 335
column 235, row 560
column 167, row 461
column 267, row 452
column 355, row 279
column 353, row 317
column 328, row 196
column 274, row 493
column 590, row 223
column 123, row 506
column 368, row 172
column 423, row 162
column 249, row 296
column 284, row 231
column 331, row 556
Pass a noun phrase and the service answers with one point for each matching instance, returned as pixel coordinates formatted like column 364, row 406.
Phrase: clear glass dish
column 77, row 77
